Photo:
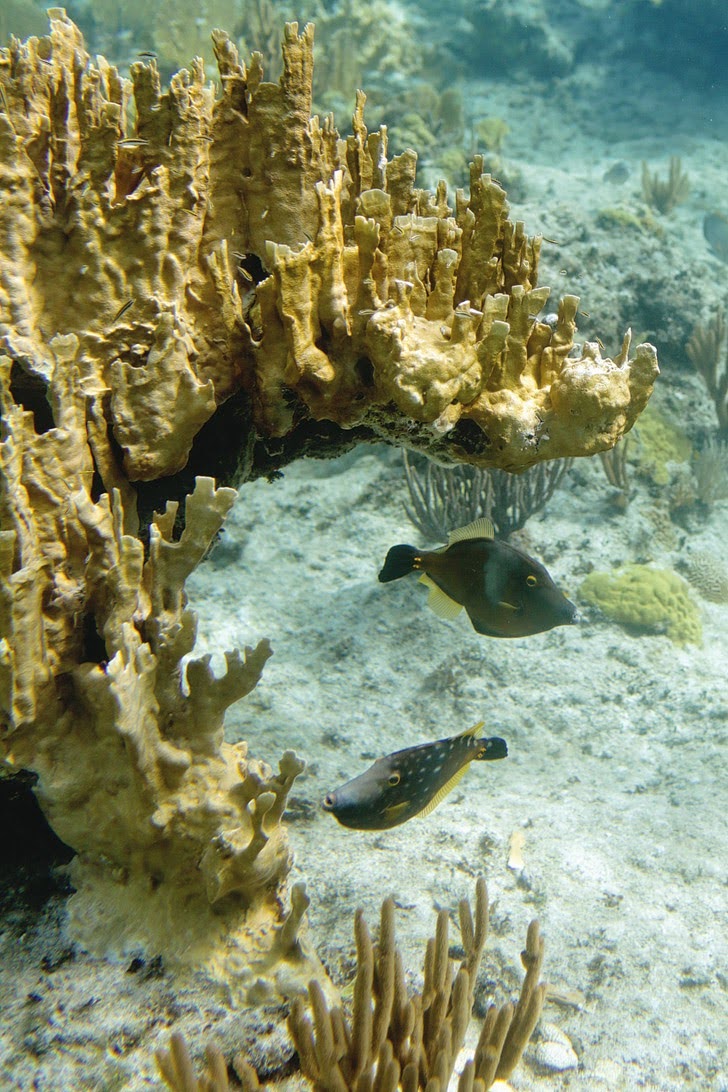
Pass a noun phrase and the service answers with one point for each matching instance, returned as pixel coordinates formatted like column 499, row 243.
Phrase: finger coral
column 178, row 836
column 413, row 1042
column 706, row 348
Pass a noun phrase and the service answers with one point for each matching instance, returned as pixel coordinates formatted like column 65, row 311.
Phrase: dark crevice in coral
column 97, row 486
column 31, row 392
column 310, row 439
column 221, row 450
column 117, row 450
column 469, row 437
column 30, row 848
column 94, row 646
column 97, row 482
column 324, row 343
column 251, row 267
column 365, row 371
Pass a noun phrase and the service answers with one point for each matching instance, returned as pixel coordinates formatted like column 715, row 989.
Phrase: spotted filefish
column 410, row 782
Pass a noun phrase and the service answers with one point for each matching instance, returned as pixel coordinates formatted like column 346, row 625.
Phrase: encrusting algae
column 198, row 285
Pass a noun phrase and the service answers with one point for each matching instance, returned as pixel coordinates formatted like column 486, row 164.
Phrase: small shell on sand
column 553, row 1051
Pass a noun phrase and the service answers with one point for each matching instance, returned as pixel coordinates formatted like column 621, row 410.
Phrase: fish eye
column 394, row 778
column 328, row 802
column 531, row 580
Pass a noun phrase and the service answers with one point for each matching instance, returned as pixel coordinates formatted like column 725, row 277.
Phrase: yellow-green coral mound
column 660, row 442
column 653, row 599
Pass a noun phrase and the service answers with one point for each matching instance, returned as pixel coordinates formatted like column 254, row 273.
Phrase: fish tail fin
column 400, row 561
column 493, row 748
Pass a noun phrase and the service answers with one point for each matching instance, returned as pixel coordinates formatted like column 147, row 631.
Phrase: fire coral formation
column 166, row 255
column 264, row 257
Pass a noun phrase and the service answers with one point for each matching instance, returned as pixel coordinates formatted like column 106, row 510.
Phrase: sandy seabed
column 615, row 775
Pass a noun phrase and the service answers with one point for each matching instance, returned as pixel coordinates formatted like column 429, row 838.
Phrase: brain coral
column 708, row 575
column 649, row 599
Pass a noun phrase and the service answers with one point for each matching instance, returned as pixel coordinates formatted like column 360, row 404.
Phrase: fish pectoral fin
column 438, row 602
column 509, row 606
column 395, row 809
column 442, row 793
column 495, row 584
column 479, row 528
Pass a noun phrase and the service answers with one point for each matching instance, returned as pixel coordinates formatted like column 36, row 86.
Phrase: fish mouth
column 572, row 615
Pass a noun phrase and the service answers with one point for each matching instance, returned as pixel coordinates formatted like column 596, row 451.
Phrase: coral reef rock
column 203, row 245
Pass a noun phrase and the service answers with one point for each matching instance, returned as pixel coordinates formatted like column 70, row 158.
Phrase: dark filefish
column 505, row 592
column 410, row 782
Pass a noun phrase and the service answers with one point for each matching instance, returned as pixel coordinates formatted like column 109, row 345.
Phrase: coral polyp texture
column 204, row 244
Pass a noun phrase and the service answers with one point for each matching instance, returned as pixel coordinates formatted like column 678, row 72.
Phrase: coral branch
column 339, row 1056
column 705, row 347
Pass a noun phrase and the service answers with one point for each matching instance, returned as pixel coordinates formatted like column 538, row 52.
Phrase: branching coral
column 178, row 833
column 664, row 194
column 372, row 308
column 395, row 1040
column 443, row 498
column 615, row 466
column 413, row 1042
column 711, row 472
column 706, row 346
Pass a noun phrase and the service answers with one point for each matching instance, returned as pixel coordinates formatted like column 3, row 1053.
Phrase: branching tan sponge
column 178, row 834
column 204, row 242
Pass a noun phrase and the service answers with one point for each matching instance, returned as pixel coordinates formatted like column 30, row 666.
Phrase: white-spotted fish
column 505, row 592
column 410, row 782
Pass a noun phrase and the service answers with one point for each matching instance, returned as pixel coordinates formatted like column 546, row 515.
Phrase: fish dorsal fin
column 474, row 731
column 442, row 605
column 479, row 528
column 442, row 793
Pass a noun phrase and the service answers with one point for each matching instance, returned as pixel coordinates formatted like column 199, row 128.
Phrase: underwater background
column 607, row 124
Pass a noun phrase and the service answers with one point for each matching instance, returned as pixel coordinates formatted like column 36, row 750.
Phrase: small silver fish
column 715, row 230
column 618, row 172
column 410, row 782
